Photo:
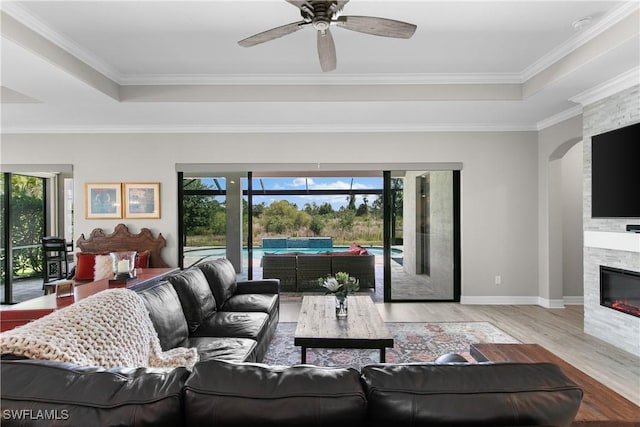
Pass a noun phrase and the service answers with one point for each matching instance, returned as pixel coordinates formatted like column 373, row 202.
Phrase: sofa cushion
column 221, row 277
column 234, row 324
column 500, row 394
column 91, row 396
column 262, row 303
column 251, row 394
column 166, row 314
column 230, row 349
column 258, row 286
column 195, row 296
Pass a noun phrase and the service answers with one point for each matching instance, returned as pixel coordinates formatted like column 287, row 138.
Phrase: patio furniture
column 311, row 268
column 281, row 267
column 362, row 267
column 300, row 272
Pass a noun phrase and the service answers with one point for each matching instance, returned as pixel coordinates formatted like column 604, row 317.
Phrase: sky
column 316, row 183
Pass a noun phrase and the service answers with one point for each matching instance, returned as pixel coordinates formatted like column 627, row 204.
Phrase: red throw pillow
column 85, row 266
column 142, row 259
column 357, row 249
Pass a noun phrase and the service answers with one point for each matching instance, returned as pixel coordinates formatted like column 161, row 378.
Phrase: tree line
column 205, row 219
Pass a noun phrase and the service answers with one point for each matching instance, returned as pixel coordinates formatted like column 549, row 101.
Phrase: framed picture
column 103, row 200
column 142, row 200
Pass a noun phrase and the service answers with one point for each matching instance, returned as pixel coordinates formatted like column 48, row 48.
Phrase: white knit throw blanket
column 109, row 329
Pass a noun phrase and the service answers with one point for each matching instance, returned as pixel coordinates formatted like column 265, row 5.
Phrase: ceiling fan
column 320, row 15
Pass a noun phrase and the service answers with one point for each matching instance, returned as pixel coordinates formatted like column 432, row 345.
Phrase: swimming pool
column 259, row 252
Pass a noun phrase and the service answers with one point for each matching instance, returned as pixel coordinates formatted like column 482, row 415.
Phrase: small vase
column 342, row 307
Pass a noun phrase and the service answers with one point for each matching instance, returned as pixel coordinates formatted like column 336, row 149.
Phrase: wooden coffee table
column 363, row 328
column 600, row 405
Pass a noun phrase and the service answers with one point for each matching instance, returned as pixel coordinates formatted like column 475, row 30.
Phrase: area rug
column 413, row 342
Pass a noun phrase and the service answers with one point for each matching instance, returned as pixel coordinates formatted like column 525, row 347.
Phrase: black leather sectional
column 205, row 307
column 231, row 324
column 219, row 393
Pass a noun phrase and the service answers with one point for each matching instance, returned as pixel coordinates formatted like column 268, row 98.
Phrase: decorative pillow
column 85, row 266
column 103, row 268
column 358, row 249
column 142, row 259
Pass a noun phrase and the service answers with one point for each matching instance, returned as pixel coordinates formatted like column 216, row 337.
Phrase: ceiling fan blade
column 377, row 26
column 271, row 34
column 326, row 51
column 341, row 3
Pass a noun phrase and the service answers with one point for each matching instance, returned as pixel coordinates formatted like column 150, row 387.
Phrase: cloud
column 340, row 185
column 302, row 182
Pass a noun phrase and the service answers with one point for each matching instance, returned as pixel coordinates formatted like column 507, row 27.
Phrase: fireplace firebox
column 620, row 290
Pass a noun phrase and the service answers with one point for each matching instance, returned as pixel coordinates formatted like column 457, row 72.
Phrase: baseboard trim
column 574, row 300
column 499, row 300
column 551, row 303
column 522, row 300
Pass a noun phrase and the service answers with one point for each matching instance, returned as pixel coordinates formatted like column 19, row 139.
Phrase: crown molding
column 36, row 25
column 619, row 83
column 608, row 21
column 320, row 79
column 356, row 128
column 560, row 117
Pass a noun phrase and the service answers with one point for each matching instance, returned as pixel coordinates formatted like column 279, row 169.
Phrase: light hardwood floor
column 558, row 330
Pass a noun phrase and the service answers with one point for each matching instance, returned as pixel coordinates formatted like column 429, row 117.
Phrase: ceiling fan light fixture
column 321, row 24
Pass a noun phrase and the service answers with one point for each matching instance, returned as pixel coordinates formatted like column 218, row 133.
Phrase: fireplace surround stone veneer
column 606, row 241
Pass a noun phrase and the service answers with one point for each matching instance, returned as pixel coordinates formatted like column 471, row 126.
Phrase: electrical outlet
column 498, row 280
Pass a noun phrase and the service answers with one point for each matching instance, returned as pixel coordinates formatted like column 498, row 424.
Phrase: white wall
column 499, row 182
column 572, row 234
column 553, row 143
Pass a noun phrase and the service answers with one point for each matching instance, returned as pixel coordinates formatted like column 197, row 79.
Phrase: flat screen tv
column 615, row 181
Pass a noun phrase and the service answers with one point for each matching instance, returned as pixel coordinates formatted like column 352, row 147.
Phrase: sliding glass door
column 23, row 226
column 410, row 221
column 423, row 245
column 5, row 241
column 204, row 219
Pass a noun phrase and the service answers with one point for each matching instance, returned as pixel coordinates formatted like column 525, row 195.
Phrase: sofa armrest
column 263, row 286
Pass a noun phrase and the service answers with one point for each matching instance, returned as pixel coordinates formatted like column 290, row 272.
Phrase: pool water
column 258, row 252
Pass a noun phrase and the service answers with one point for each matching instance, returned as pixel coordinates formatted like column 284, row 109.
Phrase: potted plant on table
column 340, row 285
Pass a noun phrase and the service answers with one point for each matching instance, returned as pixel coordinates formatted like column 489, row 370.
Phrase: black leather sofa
column 231, row 325
column 206, row 308
column 219, row 393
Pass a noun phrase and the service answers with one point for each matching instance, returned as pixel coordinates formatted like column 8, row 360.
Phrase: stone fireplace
column 606, row 242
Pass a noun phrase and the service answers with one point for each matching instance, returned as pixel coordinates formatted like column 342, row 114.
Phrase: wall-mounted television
column 615, row 180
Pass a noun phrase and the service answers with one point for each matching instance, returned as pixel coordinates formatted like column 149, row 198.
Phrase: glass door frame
column 6, row 234
column 7, row 225
column 387, row 216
